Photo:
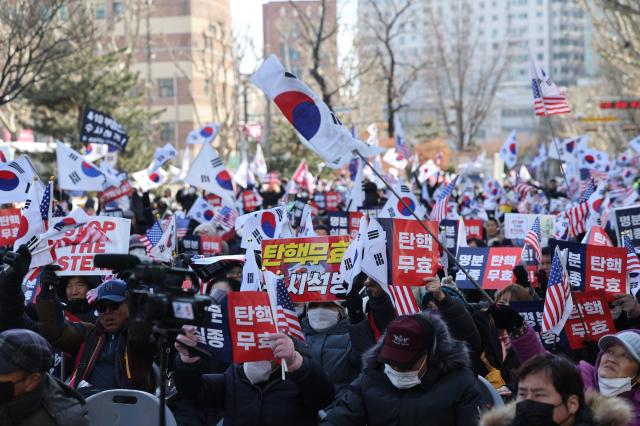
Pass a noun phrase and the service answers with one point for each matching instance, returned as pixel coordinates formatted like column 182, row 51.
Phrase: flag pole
column 283, row 364
column 426, row 228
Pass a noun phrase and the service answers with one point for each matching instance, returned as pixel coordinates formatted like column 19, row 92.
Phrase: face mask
column 534, row 413
column 6, row 392
column 322, row 318
column 257, row 372
column 403, row 380
column 613, row 387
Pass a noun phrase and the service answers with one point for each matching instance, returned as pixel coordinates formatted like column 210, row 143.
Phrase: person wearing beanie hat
column 29, row 395
column 415, row 375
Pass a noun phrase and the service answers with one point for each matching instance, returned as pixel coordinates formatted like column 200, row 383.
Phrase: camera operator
column 112, row 352
column 254, row 392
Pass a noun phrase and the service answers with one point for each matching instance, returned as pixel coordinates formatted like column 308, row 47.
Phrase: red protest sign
column 214, row 200
column 473, row 228
column 311, row 265
column 115, row 192
column 354, row 223
column 414, row 253
column 595, row 314
column 251, row 323
column 331, row 201
column 210, row 245
column 606, row 269
column 250, row 201
column 9, row 226
column 499, row 269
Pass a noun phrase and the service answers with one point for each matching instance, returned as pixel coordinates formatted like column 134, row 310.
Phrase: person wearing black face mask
column 72, row 291
column 551, row 392
column 29, row 396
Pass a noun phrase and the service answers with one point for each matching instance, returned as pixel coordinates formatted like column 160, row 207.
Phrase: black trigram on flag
column 16, row 166
column 279, row 213
column 372, row 235
column 204, row 178
column 26, row 204
column 378, row 259
column 216, row 162
column 256, row 234
column 348, row 264
column 75, row 178
column 391, row 212
column 73, row 156
column 404, row 188
column 250, row 277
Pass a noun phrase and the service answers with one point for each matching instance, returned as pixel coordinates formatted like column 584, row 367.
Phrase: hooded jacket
column 449, row 393
column 600, row 411
column 51, row 403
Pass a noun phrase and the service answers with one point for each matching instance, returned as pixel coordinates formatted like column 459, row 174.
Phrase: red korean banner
column 498, row 272
column 606, row 269
column 311, row 266
column 9, row 226
column 354, row 223
column 331, row 201
column 115, row 192
column 595, row 314
column 250, row 323
column 210, row 245
column 473, row 228
column 414, row 253
column 214, row 200
column 250, row 201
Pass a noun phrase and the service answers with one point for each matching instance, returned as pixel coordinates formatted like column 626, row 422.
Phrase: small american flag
column 533, row 238
column 588, row 191
column 522, row 189
column 152, row 236
column 439, row 211
column 182, row 226
column 287, row 320
column 547, row 98
column 403, row 300
column 46, row 206
column 577, row 218
column 401, row 147
column 633, row 263
column 557, row 302
column 225, row 217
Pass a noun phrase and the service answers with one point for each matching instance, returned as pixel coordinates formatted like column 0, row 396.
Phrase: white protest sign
column 516, row 225
column 78, row 259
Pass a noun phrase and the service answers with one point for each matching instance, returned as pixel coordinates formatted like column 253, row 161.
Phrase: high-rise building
column 183, row 52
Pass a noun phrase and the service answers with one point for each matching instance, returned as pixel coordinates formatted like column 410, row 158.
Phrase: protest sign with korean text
column 191, row 244
column 354, row 223
column 9, row 226
column 331, row 201
column 532, row 312
column 338, row 223
column 473, row 259
column 516, row 225
column 251, row 323
column 210, row 245
column 627, row 221
column 412, row 250
column 78, row 259
column 213, row 333
column 250, row 201
column 311, row 266
column 595, row 315
column 98, row 127
column 499, row 269
column 474, row 228
column 114, row 192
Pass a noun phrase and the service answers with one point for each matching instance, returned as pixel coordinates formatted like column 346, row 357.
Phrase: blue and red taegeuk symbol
column 8, row 180
column 88, row 149
column 403, row 210
column 224, row 180
column 512, row 148
column 89, row 170
column 208, row 214
column 301, row 111
column 570, row 146
column 268, row 224
column 589, row 159
column 154, row 177
column 206, row 131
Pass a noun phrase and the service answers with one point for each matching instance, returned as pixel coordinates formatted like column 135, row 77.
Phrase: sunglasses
column 103, row 307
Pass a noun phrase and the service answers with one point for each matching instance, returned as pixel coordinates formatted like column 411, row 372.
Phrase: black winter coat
column 448, row 395
column 294, row 401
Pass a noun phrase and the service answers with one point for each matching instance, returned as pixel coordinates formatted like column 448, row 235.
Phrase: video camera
column 155, row 291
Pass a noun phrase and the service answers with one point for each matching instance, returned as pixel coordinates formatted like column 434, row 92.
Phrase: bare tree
column 617, row 37
column 32, row 34
column 466, row 74
column 396, row 74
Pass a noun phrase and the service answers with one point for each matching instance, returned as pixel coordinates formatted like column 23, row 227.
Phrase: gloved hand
column 505, row 317
column 19, row 261
column 353, row 303
column 49, row 281
column 522, row 277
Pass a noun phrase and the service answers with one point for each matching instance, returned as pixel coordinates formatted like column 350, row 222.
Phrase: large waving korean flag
column 318, row 128
column 207, row 172
column 17, row 181
column 75, row 173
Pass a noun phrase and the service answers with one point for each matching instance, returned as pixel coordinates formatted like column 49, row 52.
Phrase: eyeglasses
column 103, row 307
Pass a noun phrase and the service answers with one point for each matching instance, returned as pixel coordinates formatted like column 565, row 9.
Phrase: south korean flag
column 351, row 264
column 262, row 225
column 208, row 172
column 396, row 209
column 251, row 274
column 201, row 211
column 17, row 181
column 163, row 251
column 374, row 259
column 75, row 173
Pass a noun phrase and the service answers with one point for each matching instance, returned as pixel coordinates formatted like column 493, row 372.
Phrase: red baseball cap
column 406, row 341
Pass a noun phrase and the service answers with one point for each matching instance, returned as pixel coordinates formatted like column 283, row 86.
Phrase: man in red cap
column 416, row 375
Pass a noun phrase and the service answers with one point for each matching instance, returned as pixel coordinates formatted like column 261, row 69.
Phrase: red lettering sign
column 473, row 228
column 332, row 199
column 498, row 272
column 414, row 253
column 9, row 226
column 210, row 245
column 595, row 316
column 115, row 192
column 251, row 324
column 354, row 223
column 606, row 269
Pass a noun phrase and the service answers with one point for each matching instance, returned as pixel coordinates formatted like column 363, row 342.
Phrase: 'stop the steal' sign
column 98, row 127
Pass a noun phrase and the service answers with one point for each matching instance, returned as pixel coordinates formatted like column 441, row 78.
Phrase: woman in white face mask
column 619, row 366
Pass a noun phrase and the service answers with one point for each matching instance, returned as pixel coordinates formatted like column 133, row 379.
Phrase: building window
column 165, row 87
column 100, row 11
column 118, row 7
column 167, row 132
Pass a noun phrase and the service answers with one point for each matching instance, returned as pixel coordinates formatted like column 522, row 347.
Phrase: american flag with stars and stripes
column 578, row 214
column 403, row 300
column 287, row 320
column 46, row 206
column 225, row 217
column 182, row 226
column 533, row 240
column 439, row 211
column 633, row 263
column 557, row 302
column 522, row 189
column 590, row 188
column 547, row 98
column 152, row 236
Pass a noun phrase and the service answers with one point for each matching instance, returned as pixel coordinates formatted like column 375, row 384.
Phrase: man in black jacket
column 253, row 393
column 416, row 375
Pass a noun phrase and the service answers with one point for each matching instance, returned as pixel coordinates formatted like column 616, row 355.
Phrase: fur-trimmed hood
column 448, row 355
column 605, row 411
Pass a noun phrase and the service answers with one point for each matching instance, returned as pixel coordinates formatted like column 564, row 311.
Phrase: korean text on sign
column 596, row 316
column 251, row 323
column 9, row 226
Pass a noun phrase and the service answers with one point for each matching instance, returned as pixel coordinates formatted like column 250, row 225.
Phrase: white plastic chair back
column 126, row 407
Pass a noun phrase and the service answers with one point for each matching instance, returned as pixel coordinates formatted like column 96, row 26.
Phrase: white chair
column 489, row 393
column 126, row 407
